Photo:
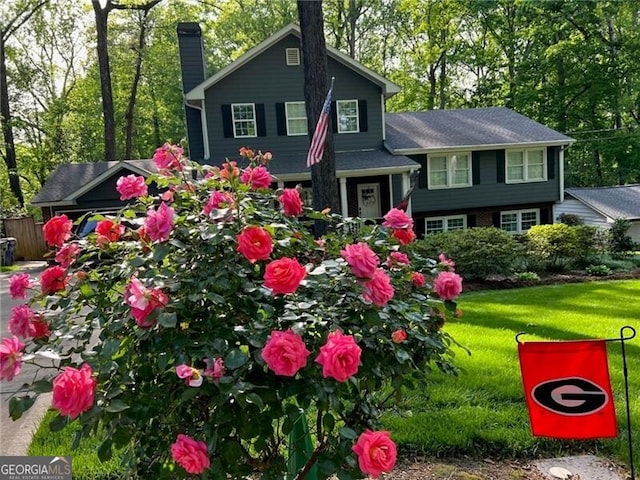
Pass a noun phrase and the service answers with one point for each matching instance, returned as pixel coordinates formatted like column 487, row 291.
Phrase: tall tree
column 314, row 56
column 21, row 13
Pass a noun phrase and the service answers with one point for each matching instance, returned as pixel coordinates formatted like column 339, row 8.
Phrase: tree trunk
column 101, row 16
column 314, row 55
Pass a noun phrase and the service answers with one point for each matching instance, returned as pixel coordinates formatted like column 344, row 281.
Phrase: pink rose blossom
column 192, row 376
column 284, row 275
column 57, row 230
column 215, row 368
column 404, row 235
column 255, row 243
column 74, row 391
column 447, row 263
column 109, row 229
column 53, row 279
column 396, row 218
column 217, row 200
column 378, row 290
column 190, row 454
column 19, row 284
column 159, row 223
column 131, row 186
column 376, row 453
column 285, row 353
column 339, row 357
column 291, row 202
column 10, row 358
column 20, row 321
column 399, row 336
column 143, row 301
column 418, row 279
column 168, row 157
column 397, row 258
column 39, row 328
column 67, row 254
column 256, row 178
column 448, row 285
column 361, row 258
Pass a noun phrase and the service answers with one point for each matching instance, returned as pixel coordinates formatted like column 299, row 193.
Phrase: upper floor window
column 519, row 221
column 296, row 118
column 449, row 170
column 244, row 120
column 444, row 224
column 526, row 165
column 347, row 116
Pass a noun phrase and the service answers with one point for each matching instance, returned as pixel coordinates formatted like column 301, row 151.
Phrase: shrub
column 620, row 243
column 201, row 340
column 598, row 270
column 478, row 252
column 553, row 247
column 527, row 276
column 571, row 219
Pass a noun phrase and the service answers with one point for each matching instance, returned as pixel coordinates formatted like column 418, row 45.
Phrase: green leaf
column 160, row 252
column 42, row 386
column 116, row 406
column 104, row 450
column 255, row 399
column 189, row 394
column 19, row 405
column 348, row 433
column 328, row 422
column 168, row 319
column 235, row 359
column 402, row 356
column 86, row 290
column 58, row 423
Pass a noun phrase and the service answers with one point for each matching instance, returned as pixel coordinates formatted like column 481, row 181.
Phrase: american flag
column 317, row 142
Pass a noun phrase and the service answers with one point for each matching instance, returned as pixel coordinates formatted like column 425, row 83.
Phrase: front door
column 369, row 200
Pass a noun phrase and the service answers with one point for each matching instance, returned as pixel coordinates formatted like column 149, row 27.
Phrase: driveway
column 16, row 436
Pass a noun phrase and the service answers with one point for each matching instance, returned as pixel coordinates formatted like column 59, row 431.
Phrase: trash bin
column 7, row 250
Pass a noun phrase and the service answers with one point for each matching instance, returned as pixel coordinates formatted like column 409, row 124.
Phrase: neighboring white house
column 601, row 206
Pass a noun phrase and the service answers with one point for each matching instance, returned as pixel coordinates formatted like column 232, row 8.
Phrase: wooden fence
column 28, row 234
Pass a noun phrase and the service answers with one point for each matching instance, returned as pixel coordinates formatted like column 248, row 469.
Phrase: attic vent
column 293, row 56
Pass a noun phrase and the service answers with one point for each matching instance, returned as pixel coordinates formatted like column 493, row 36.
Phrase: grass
column 481, row 412
column 9, row 268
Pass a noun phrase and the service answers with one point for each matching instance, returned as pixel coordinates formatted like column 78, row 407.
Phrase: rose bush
column 196, row 325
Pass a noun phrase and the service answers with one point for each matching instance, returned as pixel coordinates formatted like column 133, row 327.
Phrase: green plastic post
column 300, row 449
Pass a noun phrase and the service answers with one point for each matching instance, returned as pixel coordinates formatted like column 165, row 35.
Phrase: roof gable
column 621, row 201
column 197, row 93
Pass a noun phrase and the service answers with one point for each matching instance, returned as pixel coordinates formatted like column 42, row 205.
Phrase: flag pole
column 622, row 338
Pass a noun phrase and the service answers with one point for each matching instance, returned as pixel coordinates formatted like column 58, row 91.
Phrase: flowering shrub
column 196, row 337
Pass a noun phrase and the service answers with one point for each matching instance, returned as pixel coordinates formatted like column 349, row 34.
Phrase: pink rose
column 339, row 357
column 67, row 254
column 404, row 235
column 361, row 258
column 53, row 279
column 256, row 178
column 190, row 454
column 20, row 321
column 19, row 284
column 109, row 229
column 291, row 202
column 217, row 200
column 131, row 186
column 192, row 376
column 376, row 453
column 399, row 336
column 396, row 218
column 168, row 157
column 448, row 285
column 74, row 391
column 378, row 290
column 397, row 258
column 229, row 170
column 285, row 353
column 284, row 275
column 255, row 243
column 39, row 327
column 10, row 358
column 447, row 263
column 57, row 230
column 215, row 368
column 159, row 223
column 143, row 301
column 418, row 279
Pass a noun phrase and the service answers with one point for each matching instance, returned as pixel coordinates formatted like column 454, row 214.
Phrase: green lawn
column 482, row 412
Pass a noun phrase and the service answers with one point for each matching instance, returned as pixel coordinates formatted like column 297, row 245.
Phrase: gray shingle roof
column 68, row 178
column 615, row 202
column 438, row 129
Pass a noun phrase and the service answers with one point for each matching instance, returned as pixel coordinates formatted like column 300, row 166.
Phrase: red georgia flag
column 567, row 389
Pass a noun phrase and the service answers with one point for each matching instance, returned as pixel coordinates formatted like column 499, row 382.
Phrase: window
column 296, row 118
column 244, row 120
column 526, row 165
column 444, row 224
column 293, row 56
column 449, row 170
column 519, row 221
column 347, row 115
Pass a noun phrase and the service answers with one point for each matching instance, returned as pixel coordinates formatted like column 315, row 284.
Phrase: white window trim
column 340, row 102
column 450, row 172
column 287, row 118
column 519, row 218
column 445, row 219
column 292, row 56
column 234, row 120
column 525, row 160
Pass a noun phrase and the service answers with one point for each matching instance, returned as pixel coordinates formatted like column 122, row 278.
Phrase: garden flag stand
column 568, row 391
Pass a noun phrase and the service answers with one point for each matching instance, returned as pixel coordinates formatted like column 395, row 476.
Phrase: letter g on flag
column 570, row 396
